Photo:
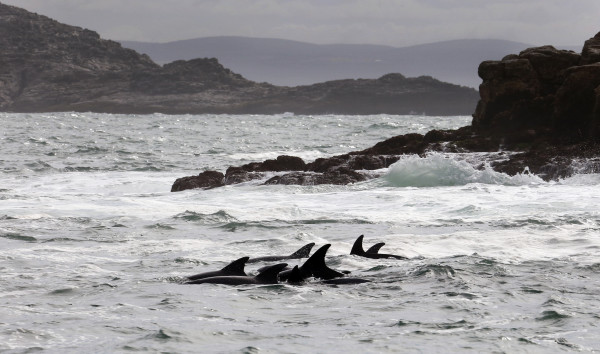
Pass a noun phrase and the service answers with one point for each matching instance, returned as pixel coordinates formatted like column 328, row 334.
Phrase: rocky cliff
column 49, row 66
column 541, row 94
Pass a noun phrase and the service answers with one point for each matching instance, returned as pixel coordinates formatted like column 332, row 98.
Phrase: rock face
column 541, row 94
column 544, row 104
column 49, row 66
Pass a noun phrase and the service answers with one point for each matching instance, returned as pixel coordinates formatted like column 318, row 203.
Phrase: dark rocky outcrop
column 49, row 66
column 541, row 94
column 206, row 179
column 542, row 104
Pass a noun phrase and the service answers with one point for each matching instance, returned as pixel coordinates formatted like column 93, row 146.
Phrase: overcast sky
column 389, row 22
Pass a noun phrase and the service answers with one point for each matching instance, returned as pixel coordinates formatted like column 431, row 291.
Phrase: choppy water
column 93, row 244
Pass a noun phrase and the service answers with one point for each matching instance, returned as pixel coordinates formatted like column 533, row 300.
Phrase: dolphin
column 296, row 277
column 235, row 268
column 302, row 252
column 375, row 248
column 313, row 267
column 345, row 281
column 357, row 249
column 267, row 276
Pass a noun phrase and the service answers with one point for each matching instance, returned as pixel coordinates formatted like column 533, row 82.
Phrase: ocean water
column 93, row 246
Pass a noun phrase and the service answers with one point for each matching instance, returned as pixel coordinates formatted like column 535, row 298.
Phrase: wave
column 440, row 170
column 220, row 216
column 583, row 179
column 18, row 237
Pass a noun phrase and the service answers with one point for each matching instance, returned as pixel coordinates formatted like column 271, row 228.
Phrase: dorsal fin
column 303, row 251
column 376, row 247
column 316, row 266
column 236, row 267
column 357, row 248
column 269, row 274
column 316, row 260
column 295, row 276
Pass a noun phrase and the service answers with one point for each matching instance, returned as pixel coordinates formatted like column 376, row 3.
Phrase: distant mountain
column 49, row 66
column 291, row 63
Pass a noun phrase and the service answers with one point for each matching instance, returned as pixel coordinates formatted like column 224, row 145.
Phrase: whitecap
column 443, row 170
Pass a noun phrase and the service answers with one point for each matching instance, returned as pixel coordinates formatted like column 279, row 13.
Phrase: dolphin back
column 357, row 248
column 376, row 247
column 302, row 252
column 236, row 267
column 269, row 274
column 315, row 266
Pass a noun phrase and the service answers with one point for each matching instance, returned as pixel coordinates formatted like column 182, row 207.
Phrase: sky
column 386, row 22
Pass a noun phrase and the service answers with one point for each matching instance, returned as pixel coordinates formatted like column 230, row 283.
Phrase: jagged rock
column 401, row 144
column 207, row 179
column 542, row 93
column 324, row 164
column 337, row 176
column 281, row 163
column 235, row 175
column 591, row 51
column 255, row 170
column 575, row 114
column 353, row 160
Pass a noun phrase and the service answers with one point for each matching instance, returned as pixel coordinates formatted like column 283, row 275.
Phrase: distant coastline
column 48, row 66
column 292, row 63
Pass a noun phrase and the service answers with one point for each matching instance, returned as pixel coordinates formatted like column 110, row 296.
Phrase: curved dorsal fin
column 236, row 267
column 376, row 247
column 317, row 260
column 357, row 248
column 269, row 274
column 303, row 251
column 316, row 266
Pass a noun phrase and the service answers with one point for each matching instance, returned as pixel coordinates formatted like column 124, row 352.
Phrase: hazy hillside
column 285, row 62
column 49, row 66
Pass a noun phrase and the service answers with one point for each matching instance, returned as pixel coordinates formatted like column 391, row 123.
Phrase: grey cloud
column 390, row 22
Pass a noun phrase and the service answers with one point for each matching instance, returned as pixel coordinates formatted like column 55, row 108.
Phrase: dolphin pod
column 313, row 267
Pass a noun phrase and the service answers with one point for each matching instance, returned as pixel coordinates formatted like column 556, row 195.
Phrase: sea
column 94, row 248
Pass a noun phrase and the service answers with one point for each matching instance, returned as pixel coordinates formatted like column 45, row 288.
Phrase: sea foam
column 441, row 170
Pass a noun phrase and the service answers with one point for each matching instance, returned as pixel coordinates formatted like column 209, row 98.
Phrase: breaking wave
column 440, row 170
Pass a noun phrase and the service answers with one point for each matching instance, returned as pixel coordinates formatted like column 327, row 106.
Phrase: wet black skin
column 357, row 249
column 235, row 268
column 302, row 252
column 267, row 276
column 313, row 267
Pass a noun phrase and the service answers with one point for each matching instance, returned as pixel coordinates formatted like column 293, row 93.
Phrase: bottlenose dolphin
column 235, row 268
column 302, row 252
column 357, row 249
column 375, row 248
column 345, row 281
column 313, row 267
column 267, row 276
column 296, row 277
